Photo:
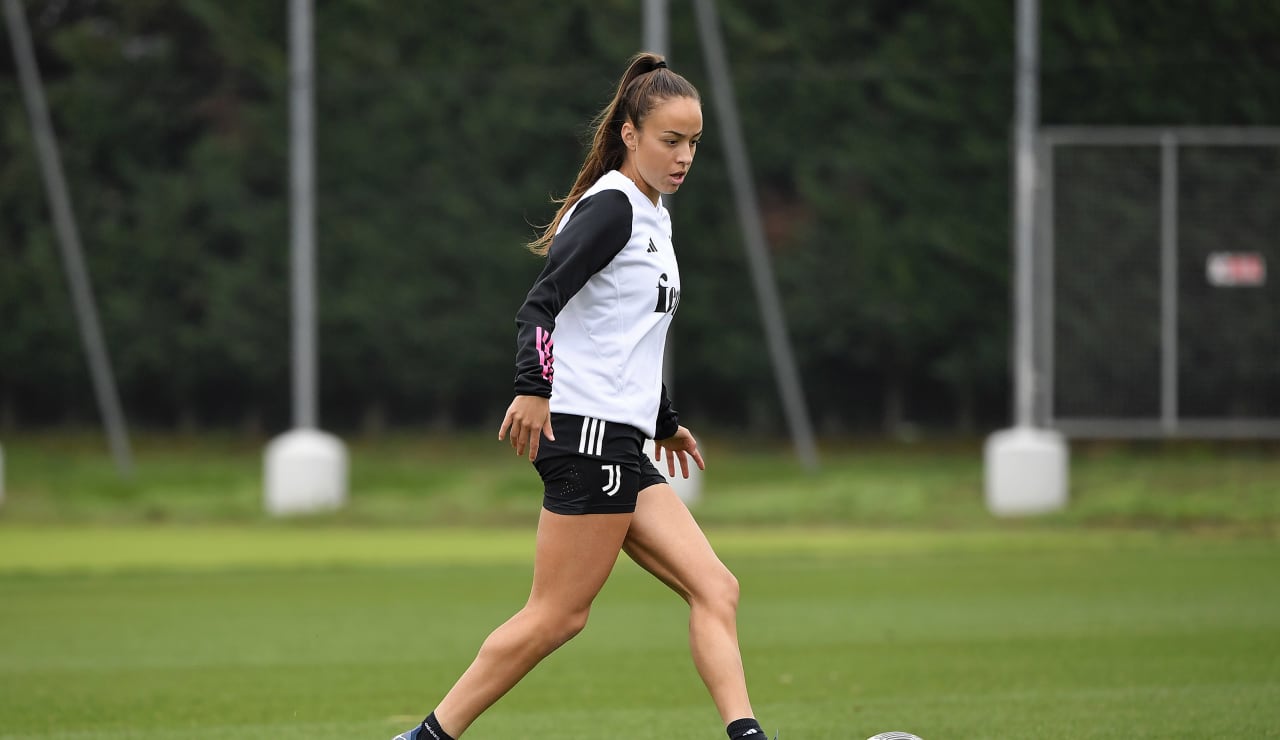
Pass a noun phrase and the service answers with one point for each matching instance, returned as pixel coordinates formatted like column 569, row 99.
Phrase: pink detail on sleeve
column 545, row 357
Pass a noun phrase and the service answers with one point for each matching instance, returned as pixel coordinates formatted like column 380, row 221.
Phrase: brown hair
column 646, row 83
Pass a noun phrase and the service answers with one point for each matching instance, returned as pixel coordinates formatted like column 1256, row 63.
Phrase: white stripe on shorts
column 591, row 441
column 582, row 440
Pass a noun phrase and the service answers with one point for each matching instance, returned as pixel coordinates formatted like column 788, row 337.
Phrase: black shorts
column 593, row 466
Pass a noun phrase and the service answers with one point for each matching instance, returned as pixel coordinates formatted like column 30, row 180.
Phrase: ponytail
column 646, row 82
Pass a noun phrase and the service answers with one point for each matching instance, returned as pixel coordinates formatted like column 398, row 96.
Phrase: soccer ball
column 894, row 736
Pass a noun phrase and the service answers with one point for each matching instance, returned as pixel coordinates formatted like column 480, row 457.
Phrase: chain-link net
column 1118, row 211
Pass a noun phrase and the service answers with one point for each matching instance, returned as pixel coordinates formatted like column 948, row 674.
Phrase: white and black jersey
column 591, row 333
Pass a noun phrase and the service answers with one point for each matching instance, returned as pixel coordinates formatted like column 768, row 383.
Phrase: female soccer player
column 589, row 392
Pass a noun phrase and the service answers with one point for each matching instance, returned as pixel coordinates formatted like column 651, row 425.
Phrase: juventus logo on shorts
column 615, row 478
column 592, row 440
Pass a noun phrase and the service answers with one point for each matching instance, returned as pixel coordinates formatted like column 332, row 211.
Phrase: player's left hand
column 680, row 445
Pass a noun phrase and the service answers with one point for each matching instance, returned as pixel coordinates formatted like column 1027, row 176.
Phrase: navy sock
column 431, row 729
column 747, row 727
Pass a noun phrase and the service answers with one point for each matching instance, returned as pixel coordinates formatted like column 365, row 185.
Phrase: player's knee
column 730, row 590
column 563, row 627
column 720, row 591
column 574, row 623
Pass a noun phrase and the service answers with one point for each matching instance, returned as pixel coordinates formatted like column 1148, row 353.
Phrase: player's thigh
column 665, row 540
column 573, row 558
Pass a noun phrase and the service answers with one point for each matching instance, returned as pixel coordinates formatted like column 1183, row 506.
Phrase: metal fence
column 1158, row 282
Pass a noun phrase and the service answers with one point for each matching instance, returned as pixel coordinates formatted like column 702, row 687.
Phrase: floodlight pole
column 1025, row 122
column 64, row 224
column 775, row 327
column 302, row 211
column 657, row 22
column 306, row 469
column 1025, row 468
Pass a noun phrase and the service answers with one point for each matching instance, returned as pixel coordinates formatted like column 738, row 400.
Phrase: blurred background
column 152, row 598
column 879, row 135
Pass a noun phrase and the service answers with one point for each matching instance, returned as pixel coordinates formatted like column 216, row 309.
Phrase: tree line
column 879, row 139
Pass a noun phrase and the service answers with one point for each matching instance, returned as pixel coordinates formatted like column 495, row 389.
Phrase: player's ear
column 629, row 136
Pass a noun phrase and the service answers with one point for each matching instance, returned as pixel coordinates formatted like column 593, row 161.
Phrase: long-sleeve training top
column 592, row 331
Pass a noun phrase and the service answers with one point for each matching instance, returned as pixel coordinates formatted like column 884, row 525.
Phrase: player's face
column 660, row 153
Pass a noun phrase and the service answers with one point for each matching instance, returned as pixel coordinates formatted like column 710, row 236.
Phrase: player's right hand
column 527, row 419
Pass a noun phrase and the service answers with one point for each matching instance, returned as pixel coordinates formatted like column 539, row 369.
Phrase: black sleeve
column 668, row 419
column 598, row 229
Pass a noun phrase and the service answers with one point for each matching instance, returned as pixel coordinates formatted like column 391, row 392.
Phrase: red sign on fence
column 1236, row 269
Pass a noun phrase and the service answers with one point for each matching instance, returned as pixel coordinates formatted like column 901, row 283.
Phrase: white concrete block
column 1026, row 472
column 306, row 472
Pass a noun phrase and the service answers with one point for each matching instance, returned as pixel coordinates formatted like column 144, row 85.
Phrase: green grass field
column 473, row 480
column 168, row 606
column 326, row 633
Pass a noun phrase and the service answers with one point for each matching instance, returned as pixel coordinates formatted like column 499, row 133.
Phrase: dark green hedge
column 879, row 133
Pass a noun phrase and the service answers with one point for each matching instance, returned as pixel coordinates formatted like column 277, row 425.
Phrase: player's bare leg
column 666, row 541
column 574, row 556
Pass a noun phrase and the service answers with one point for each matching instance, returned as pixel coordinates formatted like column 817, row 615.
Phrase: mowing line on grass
column 53, row 548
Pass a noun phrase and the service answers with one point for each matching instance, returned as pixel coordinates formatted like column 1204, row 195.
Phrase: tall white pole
column 64, row 224
column 1026, row 121
column 657, row 21
column 1025, row 467
column 302, row 211
column 306, row 469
